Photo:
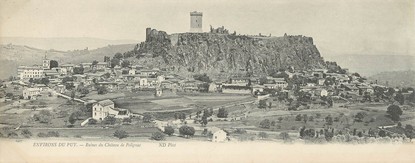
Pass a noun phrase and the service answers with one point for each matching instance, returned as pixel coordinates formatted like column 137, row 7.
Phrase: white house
column 143, row 82
column 31, row 93
column 218, row 135
column 105, row 108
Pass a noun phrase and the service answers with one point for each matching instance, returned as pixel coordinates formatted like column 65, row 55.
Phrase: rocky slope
column 207, row 52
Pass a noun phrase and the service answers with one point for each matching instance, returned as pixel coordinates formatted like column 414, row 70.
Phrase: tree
column 147, row 118
column 114, row 62
column 109, row 120
column 265, row 123
column 409, row 131
column 53, row 64
column 169, row 130
column 186, row 131
column 400, row 98
column 285, row 136
column 202, row 77
column 394, row 112
column 222, row 113
column 298, row 117
column 118, row 55
column 78, row 70
column 382, row 133
column 72, row 119
column 158, row 136
column 359, row 116
column 204, row 121
column 125, row 63
column 120, row 134
column 329, row 120
column 101, row 90
column 26, row 133
column 262, row 104
column 94, row 63
column 9, row 95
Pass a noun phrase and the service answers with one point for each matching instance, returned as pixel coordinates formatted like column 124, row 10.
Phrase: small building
column 321, row 92
column 101, row 65
column 105, row 108
column 31, row 93
column 218, row 135
column 158, row 92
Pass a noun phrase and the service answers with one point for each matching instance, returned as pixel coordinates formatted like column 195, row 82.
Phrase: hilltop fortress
column 219, row 51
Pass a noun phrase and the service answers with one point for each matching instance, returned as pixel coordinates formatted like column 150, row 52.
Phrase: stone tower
column 46, row 63
column 196, row 22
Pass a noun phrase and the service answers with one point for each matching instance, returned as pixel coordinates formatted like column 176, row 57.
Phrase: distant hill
column 368, row 65
column 63, row 43
column 395, row 78
column 13, row 55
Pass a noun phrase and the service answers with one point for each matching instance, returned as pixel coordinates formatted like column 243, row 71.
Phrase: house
column 321, row 92
column 215, row 87
column 365, row 88
column 236, row 89
column 31, row 93
column 143, row 82
column 68, row 68
column 26, row 72
column 219, row 135
column 105, row 108
column 240, row 81
column 101, row 65
column 131, row 72
column 321, row 81
column 159, row 92
column 257, row 89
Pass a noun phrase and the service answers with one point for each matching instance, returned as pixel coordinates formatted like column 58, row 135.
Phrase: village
column 124, row 100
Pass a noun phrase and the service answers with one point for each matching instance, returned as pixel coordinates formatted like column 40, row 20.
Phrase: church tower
column 196, row 22
column 46, row 63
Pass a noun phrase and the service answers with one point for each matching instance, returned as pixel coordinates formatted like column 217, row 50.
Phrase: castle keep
column 196, row 22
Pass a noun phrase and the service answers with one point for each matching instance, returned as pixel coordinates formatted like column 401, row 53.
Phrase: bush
column 284, row 136
column 92, row 121
column 126, row 120
column 109, row 120
column 53, row 134
column 263, row 135
column 26, row 133
column 298, row 117
column 157, row 136
column 42, row 135
column 265, row 123
column 240, row 131
column 120, row 134
column 12, row 135
column 187, row 131
column 169, row 130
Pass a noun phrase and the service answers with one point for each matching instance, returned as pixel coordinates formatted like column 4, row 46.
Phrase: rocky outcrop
column 199, row 52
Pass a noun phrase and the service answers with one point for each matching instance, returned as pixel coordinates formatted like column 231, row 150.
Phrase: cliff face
column 200, row 52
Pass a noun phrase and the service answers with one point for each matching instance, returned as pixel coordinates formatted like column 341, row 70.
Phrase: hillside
column 13, row 55
column 395, row 78
column 368, row 65
column 213, row 52
column 63, row 43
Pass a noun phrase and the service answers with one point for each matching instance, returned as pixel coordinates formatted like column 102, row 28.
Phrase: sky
column 373, row 27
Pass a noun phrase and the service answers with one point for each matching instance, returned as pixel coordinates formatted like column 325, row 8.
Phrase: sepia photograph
column 207, row 81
